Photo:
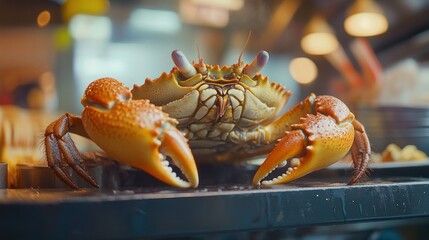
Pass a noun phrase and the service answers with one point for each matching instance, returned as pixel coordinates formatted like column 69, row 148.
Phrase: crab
column 208, row 113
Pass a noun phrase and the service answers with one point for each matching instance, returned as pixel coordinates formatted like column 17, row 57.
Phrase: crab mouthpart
column 174, row 145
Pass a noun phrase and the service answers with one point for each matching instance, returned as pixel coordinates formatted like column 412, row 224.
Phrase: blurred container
column 400, row 125
column 3, row 175
column 42, row 177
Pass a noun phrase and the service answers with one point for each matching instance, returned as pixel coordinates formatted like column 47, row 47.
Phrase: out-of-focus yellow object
column 62, row 38
column 393, row 153
column 365, row 18
column 93, row 7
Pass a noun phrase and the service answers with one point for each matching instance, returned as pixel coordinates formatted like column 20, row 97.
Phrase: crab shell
column 215, row 102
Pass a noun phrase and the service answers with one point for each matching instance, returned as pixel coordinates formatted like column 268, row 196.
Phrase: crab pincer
column 320, row 139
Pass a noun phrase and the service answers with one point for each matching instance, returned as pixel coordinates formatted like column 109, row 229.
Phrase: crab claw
column 162, row 153
column 290, row 146
column 315, row 143
column 136, row 133
column 174, row 145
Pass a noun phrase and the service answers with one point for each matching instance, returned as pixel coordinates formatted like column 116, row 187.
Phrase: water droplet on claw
column 282, row 164
column 295, row 162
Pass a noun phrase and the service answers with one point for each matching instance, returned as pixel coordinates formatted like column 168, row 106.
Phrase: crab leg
column 59, row 146
column 360, row 151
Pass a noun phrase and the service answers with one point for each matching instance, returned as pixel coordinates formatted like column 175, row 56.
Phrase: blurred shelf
column 3, row 175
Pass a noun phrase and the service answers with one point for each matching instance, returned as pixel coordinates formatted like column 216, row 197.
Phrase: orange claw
column 292, row 145
column 137, row 133
column 133, row 132
column 175, row 145
column 318, row 141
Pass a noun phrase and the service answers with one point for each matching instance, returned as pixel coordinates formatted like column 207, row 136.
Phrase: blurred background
column 51, row 49
column 372, row 54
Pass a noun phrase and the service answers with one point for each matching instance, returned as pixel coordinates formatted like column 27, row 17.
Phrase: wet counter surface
column 137, row 212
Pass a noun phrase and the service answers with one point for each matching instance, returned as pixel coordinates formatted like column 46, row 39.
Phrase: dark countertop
column 165, row 212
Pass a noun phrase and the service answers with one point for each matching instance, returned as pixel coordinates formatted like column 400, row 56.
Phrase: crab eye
column 229, row 76
column 238, row 70
column 202, row 69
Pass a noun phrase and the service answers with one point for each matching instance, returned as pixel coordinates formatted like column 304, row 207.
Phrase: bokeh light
column 303, row 70
column 43, row 18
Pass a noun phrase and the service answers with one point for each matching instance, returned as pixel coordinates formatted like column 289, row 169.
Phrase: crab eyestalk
column 185, row 67
column 257, row 64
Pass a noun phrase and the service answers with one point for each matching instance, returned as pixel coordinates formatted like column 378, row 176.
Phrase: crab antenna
column 185, row 67
column 201, row 67
column 244, row 47
column 200, row 59
column 257, row 64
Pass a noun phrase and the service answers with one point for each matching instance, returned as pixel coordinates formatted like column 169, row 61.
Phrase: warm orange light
column 365, row 19
column 43, row 18
column 319, row 38
column 319, row 43
column 303, row 70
